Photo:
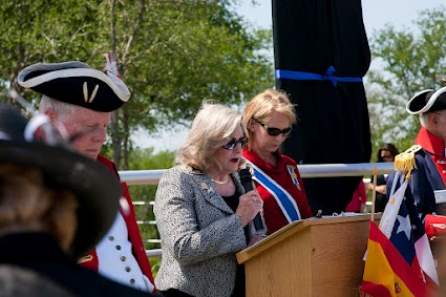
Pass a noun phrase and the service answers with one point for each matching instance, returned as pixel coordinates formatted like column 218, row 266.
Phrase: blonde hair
column 26, row 203
column 211, row 128
column 262, row 105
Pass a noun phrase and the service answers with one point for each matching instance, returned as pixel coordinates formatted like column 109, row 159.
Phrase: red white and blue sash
column 285, row 201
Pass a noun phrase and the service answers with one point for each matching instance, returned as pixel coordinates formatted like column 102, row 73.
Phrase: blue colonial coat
column 424, row 180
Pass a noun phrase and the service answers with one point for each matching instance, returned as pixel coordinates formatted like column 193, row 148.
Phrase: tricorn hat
column 427, row 101
column 97, row 190
column 76, row 83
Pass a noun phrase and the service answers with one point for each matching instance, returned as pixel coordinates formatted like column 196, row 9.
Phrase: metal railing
column 152, row 177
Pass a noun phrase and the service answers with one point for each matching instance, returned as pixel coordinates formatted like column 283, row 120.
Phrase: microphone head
column 245, row 175
column 243, row 164
column 245, row 172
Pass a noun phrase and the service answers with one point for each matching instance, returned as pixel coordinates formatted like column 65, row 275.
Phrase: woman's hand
column 380, row 189
column 250, row 204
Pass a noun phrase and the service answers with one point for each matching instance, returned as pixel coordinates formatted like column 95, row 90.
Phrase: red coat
column 435, row 146
column 91, row 260
column 274, row 218
column 359, row 199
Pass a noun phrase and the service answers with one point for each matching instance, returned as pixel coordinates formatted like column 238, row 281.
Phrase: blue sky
column 376, row 13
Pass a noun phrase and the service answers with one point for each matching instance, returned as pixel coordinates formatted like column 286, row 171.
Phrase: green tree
column 173, row 54
column 409, row 62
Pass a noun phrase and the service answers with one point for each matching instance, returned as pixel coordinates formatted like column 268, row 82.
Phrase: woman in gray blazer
column 202, row 212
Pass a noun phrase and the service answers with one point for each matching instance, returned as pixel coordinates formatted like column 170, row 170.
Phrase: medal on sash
column 293, row 175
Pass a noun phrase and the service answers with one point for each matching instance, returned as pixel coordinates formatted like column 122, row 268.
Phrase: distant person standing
column 386, row 153
column 268, row 120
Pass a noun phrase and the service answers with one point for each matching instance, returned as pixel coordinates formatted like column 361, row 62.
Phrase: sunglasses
column 274, row 131
column 232, row 144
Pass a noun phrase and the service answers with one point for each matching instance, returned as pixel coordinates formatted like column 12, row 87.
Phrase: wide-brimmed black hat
column 76, row 83
column 427, row 101
column 97, row 190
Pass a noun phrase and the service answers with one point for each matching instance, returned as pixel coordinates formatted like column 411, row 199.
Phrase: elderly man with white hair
column 81, row 99
column 55, row 205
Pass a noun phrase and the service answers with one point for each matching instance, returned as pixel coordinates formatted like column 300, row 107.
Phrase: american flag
column 403, row 224
column 399, row 260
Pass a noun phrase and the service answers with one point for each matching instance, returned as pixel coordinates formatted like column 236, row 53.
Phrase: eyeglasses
column 232, row 144
column 274, row 131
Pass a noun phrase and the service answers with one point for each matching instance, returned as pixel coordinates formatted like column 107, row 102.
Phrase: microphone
column 246, row 181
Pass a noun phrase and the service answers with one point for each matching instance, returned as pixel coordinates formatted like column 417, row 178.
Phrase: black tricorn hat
column 427, row 101
column 76, row 83
column 96, row 189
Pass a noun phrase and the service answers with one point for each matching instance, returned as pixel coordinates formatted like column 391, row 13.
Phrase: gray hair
column 59, row 107
column 424, row 119
column 211, row 128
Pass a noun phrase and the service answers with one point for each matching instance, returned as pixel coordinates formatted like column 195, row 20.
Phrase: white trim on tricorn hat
column 76, row 83
column 427, row 101
column 418, row 103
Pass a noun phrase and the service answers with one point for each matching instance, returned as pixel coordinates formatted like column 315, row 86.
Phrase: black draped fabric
column 333, row 124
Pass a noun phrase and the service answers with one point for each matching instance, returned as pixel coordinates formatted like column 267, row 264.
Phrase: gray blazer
column 200, row 235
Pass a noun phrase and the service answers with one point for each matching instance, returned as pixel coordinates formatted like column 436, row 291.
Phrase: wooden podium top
column 294, row 228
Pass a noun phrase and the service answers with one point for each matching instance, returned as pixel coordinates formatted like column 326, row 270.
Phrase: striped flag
column 399, row 260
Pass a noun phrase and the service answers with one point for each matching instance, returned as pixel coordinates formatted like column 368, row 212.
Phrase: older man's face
column 438, row 123
column 90, row 127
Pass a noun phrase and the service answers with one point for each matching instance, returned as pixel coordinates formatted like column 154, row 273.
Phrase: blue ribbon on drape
column 329, row 75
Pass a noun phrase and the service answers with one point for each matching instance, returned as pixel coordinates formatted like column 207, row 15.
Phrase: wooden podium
column 313, row 257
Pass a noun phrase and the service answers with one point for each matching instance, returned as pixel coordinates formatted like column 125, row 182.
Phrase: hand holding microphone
column 246, row 180
column 250, row 205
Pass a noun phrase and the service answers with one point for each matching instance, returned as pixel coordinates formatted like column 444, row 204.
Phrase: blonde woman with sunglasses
column 268, row 120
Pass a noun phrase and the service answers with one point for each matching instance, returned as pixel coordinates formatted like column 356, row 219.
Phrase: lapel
column 205, row 184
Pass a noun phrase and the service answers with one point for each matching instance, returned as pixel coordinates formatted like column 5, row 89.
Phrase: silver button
column 123, row 258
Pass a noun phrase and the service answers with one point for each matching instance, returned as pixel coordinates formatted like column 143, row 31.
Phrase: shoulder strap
column 284, row 199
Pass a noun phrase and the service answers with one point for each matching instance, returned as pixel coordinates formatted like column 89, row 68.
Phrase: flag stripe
column 374, row 289
column 379, row 271
column 397, row 263
column 425, row 258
